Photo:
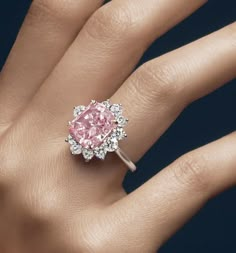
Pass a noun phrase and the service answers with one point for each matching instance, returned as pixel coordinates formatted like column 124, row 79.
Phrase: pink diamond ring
column 96, row 130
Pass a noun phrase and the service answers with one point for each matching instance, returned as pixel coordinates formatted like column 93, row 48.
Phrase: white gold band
column 126, row 159
column 96, row 131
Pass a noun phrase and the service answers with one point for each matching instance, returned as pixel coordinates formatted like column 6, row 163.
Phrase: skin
column 67, row 54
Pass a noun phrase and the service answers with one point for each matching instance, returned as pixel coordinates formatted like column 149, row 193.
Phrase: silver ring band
column 126, row 159
column 96, row 131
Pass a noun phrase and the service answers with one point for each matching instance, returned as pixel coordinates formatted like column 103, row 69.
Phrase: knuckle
column 95, row 234
column 40, row 209
column 109, row 22
column 61, row 11
column 38, row 197
column 192, row 171
column 159, row 80
column 40, row 219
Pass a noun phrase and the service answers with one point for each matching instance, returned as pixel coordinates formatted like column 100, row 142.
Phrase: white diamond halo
column 96, row 130
column 106, row 140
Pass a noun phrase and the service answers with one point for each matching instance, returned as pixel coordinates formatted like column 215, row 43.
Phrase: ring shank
column 126, row 159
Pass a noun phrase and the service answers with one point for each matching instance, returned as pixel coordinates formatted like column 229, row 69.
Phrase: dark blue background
column 214, row 228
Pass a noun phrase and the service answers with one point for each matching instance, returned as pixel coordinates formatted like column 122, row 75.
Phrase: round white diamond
column 75, row 149
column 71, row 141
column 78, row 110
column 116, row 109
column 88, row 154
column 119, row 133
column 122, row 121
column 100, row 152
column 106, row 103
column 112, row 144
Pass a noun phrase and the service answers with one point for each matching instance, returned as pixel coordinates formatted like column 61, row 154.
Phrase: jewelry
column 96, row 130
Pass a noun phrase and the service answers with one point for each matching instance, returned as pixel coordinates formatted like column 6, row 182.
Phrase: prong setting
column 109, row 142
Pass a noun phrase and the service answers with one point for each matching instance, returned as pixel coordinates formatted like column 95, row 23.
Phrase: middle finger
column 104, row 54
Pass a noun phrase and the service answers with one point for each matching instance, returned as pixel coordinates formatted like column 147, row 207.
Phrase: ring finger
column 103, row 55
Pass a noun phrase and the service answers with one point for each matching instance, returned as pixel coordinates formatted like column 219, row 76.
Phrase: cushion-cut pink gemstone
column 92, row 126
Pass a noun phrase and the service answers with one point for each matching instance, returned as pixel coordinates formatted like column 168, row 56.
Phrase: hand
column 53, row 202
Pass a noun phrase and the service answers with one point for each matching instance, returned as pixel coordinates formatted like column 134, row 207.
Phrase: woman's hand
column 53, row 202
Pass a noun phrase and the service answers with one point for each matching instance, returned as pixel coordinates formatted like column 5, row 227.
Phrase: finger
column 168, row 200
column 158, row 91
column 104, row 53
column 48, row 30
